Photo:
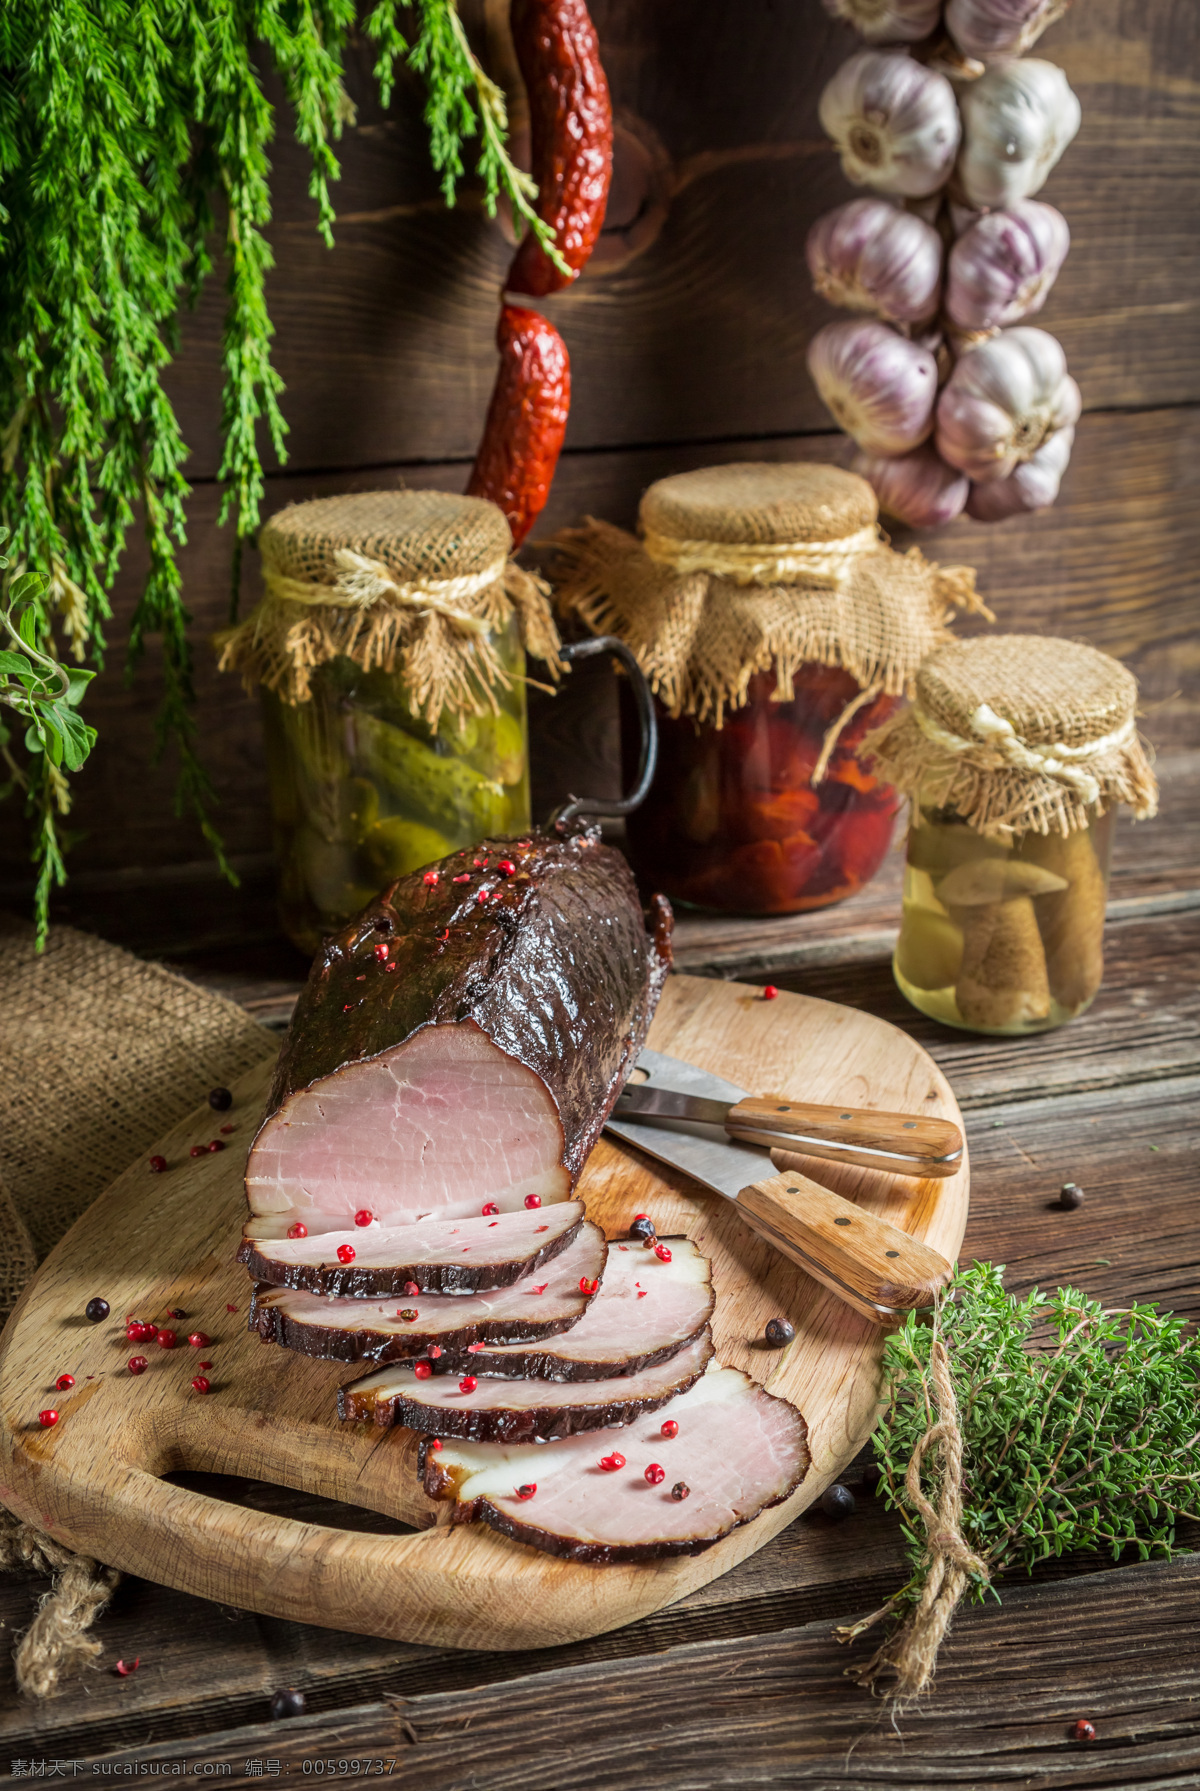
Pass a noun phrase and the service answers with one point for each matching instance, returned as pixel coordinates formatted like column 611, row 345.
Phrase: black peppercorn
column 837, row 1502
column 288, row 1702
column 779, row 1331
column 1070, row 1195
column 643, row 1228
column 220, row 1099
column 96, row 1310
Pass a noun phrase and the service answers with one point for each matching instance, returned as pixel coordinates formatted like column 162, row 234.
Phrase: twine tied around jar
column 752, row 563
column 418, row 580
column 361, row 583
column 1019, row 734
column 1062, row 763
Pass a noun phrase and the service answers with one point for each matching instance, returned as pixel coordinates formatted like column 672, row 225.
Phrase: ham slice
column 737, row 1451
column 463, row 1040
column 645, row 1311
column 438, row 1256
column 376, row 1330
column 520, row 1411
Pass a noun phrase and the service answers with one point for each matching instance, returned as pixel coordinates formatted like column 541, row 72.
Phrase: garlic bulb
column 1002, row 268
column 870, row 256
column 888, row 21
column 895, row 123
column 917, row 488
column 991, row 28
column 879, row 386
column 1016, row 120
column 1004, row 399
column 1032, row 486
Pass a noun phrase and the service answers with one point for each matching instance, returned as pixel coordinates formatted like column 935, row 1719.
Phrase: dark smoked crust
column 348, row 1282
column 513, row 1424
column 337, row 1343
column 439, row 1484
column 540, row 1365
column 560, row 973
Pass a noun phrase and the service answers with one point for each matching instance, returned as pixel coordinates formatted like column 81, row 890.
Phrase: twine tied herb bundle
column 129, row 136
column 1019, row 1429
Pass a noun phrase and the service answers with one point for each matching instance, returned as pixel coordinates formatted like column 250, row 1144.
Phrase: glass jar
column 733, row 821
column 1000, row 937
column 364, row 791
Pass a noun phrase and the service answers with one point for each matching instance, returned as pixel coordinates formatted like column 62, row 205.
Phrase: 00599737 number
column 346, row 1768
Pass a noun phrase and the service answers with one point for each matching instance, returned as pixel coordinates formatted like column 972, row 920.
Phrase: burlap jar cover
column 414, row 581
column 753, row 567
column 99, row 1056
column 1019, row 734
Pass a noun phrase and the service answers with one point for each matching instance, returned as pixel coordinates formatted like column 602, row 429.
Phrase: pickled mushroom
column 988, row 880
column 1071, row 918
column 1003, row 980
column 930, row 950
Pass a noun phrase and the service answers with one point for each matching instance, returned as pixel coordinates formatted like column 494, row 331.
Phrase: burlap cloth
column 99, row 1055
column 1018, row 733
column 409, row 580
column 747, row 568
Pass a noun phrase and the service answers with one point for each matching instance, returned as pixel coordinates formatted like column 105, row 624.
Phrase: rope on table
column 56, row 1641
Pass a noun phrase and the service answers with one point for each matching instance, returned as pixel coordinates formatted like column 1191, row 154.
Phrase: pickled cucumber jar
column 777, row 628
column 1016, row 754
column 390, row 655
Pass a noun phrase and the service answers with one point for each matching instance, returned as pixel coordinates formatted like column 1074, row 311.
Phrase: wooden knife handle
column 880, row 1271
column 905, row 1143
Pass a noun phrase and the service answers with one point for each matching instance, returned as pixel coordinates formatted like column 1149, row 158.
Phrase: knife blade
column 874, row 1267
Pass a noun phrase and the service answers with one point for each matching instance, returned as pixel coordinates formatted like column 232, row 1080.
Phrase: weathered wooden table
column 743, row 1684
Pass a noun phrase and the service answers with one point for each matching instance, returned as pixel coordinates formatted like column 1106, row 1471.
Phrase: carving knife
column 714, row 1132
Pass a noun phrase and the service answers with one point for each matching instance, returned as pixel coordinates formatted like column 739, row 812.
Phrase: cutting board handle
column 261, row 1560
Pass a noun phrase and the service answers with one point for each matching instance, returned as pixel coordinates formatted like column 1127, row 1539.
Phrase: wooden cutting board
column 155, row 1242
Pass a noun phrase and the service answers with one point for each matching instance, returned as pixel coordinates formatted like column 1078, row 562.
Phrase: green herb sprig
column 1078, row 1428
column 45, row 698
column 134, row 148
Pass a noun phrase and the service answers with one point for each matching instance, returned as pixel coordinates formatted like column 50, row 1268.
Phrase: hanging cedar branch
column 1016, row 1430
column 135, row 136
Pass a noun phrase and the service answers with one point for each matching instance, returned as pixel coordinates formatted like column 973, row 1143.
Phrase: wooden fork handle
column 880, row 1271
column 905, row 1143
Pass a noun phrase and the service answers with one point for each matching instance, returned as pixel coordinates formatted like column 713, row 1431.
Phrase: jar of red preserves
column 777, row 629
column 734, row 819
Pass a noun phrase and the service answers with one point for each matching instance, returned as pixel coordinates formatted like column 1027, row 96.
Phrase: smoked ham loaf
column 462, row 1042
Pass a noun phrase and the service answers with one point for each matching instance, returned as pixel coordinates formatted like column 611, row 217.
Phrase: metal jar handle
column 580, row 806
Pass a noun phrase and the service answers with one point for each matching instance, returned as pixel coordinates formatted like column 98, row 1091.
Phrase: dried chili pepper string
column 571, row 132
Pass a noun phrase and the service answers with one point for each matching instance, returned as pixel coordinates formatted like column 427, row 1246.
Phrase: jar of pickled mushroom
column 1015, row 754
column 777, row 628
column 389, row 649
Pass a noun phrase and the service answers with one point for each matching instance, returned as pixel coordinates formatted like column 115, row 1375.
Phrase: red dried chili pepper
column 571, row 137
column 526, row 419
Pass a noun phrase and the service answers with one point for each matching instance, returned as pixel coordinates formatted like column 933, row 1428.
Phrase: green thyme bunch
column 134, row 150
column 1019, row 1429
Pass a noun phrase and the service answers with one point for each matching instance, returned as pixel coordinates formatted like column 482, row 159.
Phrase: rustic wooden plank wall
column 687, row 336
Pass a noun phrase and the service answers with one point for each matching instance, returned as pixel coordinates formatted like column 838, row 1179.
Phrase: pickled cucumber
column 395, row 847
column 499, row 747
column 450, row 794
column 328, row 871
column 358, row 808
